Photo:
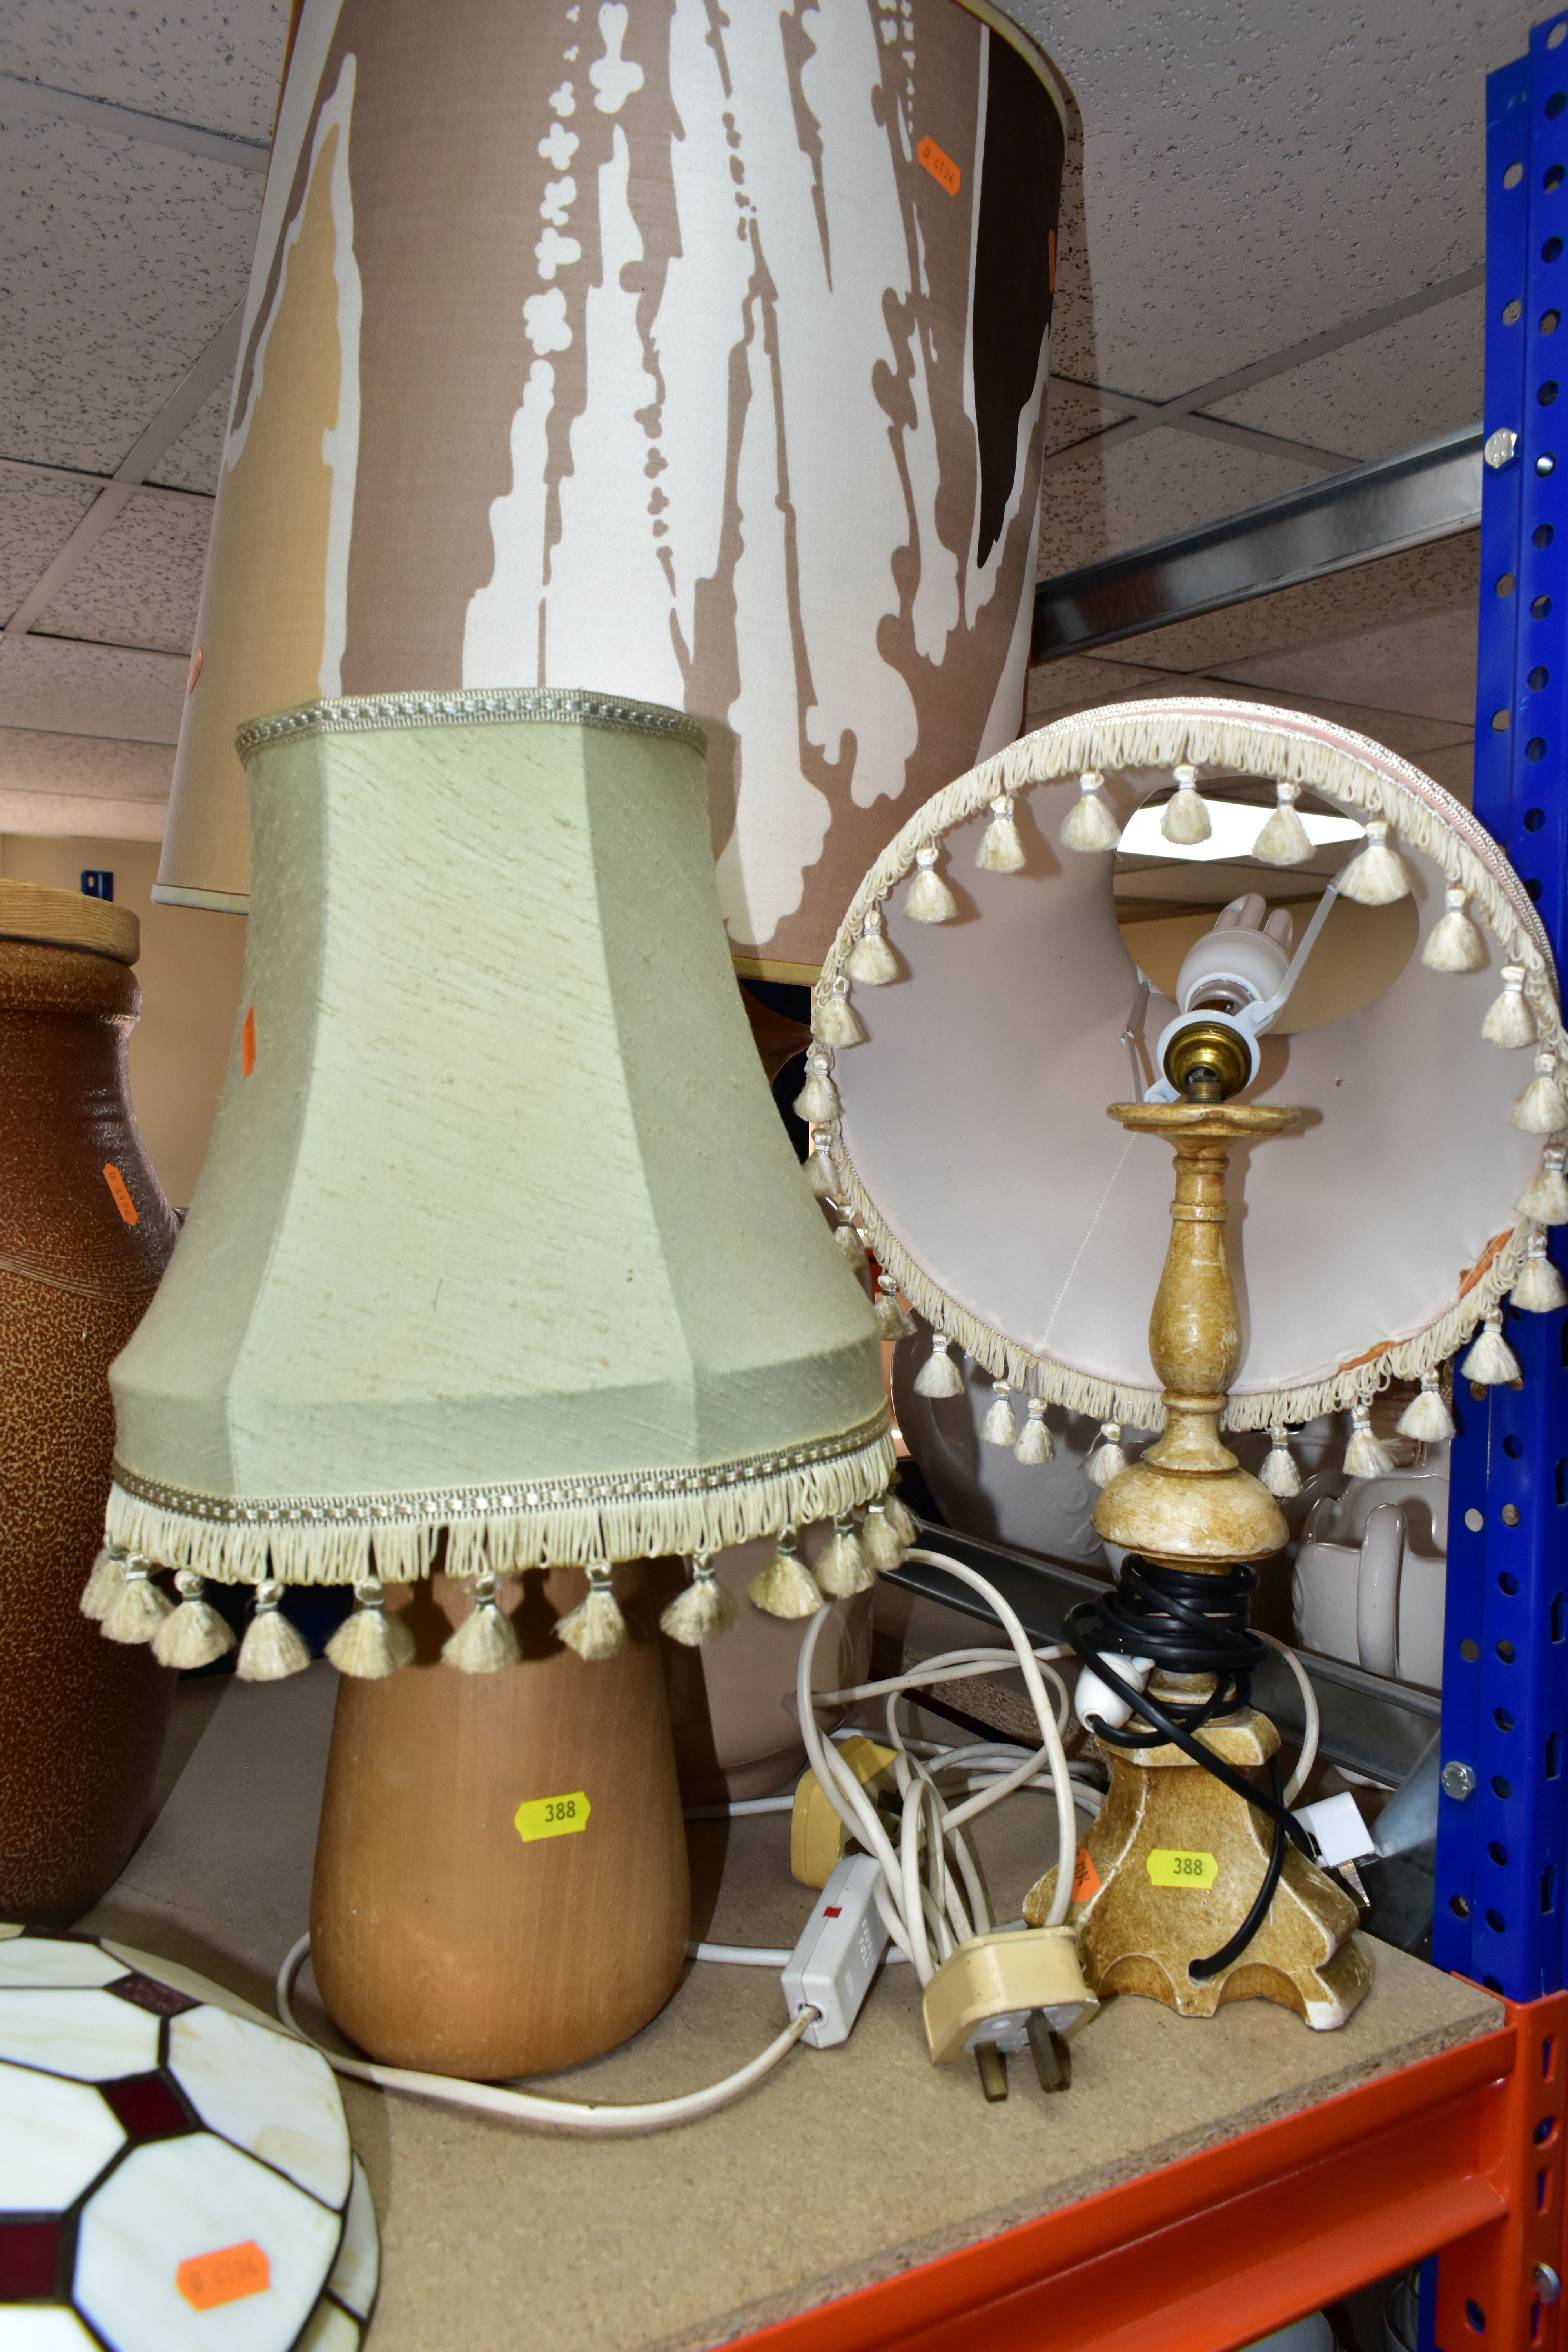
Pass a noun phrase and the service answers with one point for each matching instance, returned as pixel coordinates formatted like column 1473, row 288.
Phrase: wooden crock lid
column 60, row 918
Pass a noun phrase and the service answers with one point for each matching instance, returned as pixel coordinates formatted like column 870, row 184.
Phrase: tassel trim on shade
column 1366, row 1456
column 1491, row 1362
column 1000, row 851
column 849, row 1241
column 900, row 1519
column 369, row 1645
column 820, row 1174
column 272, row 1649
column 1280, row 1473
column 1089, row 825
column 1540, row 1288
column 194, row 1634
column 1184, row 818
column 701, row 1610
column 928, row 898
column 834, row 1020
column 893, row 1322
column 819, row 1098
column 999, row 1427
column 1108, row 1461
column 1540, row 1108
column 784, row 1586
column 841, row 1567
column 871, row 959
column 1284, row 840
column 1544, row 1199
column 485, row 1642
column 1035, row 1443
column 105, row 1583
column 1510, row 1021
column 595, row 1629
column 499, row 1529
column 880, row 1541
column 939, row 1376
column 1377, row 874
column 1427, row 1418
column 141, row 1608
column 1455, row 945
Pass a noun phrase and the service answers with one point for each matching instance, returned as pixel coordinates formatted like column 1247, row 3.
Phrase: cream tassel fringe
column 1541, row 1109
column 849, row 1241
column 369, row 1645
column 880, row 1540
column 700, row 1610
column 1455, row 945
column 939, row 1376
column 899, row 1520
column 1279, row 1472
column 1510, row 1021
column 596, row 1628
column 834, row 1020
column 893, row 1322
column 141, row 1607
column 485, row 1642
column 817, row 1098
column 106, row 1582
column 928, row 898
column 194, row 1634
column 1108, row 1461
column 1089, row 825
column 782, row 1587
column 272, row 1649
column 1427, row 1417
column 1491, row 1362
column 871, row 959
column 1284, row 841
column 1185, row 819
column 1544, row 1199
column 1035, row 1443
column 1366, row 1456
column 1539, row 1289
column 999, row 1428
column 1001, row 851
column 1378, row 875
column 842, row 1569
column 819, row 1173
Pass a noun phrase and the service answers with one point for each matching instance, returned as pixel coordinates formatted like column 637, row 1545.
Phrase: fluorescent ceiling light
column 1236, row 825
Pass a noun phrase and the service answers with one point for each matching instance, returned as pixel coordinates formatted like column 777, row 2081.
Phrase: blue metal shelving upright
column 1503, row 1844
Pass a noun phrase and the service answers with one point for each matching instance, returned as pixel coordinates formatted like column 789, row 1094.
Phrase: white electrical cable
column 743, row 1955
column 1310, row 1725
column 523, row 2106
column 740, row 1806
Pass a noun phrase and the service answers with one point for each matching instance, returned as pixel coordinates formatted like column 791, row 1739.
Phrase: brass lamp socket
column 1208, row 1061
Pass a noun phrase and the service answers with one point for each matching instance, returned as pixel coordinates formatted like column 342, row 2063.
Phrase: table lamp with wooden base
column 500, row 1281
column 1192, row 1886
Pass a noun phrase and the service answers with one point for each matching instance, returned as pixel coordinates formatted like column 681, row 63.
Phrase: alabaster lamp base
column 447, row 1933
column 1171, row 1867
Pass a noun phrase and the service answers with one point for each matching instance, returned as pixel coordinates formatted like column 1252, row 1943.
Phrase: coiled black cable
column 1189, row 1622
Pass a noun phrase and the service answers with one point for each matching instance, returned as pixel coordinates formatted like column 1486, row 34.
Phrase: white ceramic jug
column 1370, row 1575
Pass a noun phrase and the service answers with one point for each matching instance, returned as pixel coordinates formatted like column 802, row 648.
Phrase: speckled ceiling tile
column 1074, row 411
column 1433, row 579
column 193, row 461
column 215, row 65
column 75, row 689
column 1421, row 377
column 1253, row 175
column 1413, row 735
column 85, row 765
column 119, row 264
column 37, row 515
column 139, row 585
column 1119, row 497
column 1427, row 664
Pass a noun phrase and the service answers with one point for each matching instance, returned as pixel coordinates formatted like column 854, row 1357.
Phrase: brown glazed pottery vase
column 85, row 1233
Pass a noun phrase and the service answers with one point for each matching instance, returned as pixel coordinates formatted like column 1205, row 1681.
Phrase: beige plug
column 1013, row 1989
column 817, row 1837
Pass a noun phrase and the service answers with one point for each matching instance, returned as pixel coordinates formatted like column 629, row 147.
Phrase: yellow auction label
column 543, row 1817
column 1167, row 1867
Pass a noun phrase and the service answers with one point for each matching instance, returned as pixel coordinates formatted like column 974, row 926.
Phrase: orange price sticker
column 119, row 1194
column 1085, row 1877
column 943, row 168
column 226, row 2276
column 247, row 1042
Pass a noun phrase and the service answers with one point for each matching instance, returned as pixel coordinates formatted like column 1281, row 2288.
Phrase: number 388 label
column 1168, row 1867
column 543, row 1817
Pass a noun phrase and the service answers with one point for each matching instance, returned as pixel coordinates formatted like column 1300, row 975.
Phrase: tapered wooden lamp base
column 445, row 1935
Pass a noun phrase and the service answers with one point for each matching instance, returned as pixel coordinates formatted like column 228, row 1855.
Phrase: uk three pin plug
column 1014, row 1989
column 840, row 1947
